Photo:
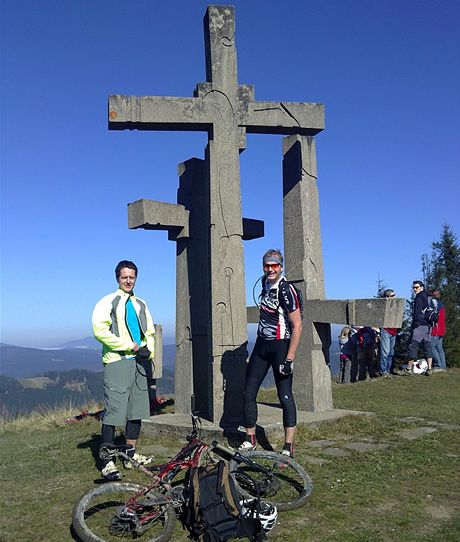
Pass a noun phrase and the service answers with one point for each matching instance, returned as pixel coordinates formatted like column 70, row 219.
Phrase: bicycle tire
column 287, row 487
column 101, row 500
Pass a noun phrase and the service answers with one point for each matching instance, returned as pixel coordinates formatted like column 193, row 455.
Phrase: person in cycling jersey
column 278, row 335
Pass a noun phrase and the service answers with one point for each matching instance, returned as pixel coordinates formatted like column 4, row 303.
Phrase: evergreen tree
column 442, row 272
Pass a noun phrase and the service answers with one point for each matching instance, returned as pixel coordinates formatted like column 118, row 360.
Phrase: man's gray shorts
column 126, row 394
column 421, row 335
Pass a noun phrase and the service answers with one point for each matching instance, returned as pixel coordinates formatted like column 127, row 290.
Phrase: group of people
column 124, row 326
column 367, row 352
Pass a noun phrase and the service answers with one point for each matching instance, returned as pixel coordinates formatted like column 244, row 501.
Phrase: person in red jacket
column 437, row 334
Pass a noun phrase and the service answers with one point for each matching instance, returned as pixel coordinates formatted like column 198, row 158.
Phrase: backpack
column 282, row 293
column 212, row 510
column 431, row 311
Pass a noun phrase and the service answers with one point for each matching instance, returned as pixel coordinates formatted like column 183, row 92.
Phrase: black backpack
column 212, row 511
column 282, row 293
column 431, row 312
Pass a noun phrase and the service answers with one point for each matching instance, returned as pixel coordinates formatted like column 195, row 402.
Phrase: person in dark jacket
column 421, row 332
column 437, row 334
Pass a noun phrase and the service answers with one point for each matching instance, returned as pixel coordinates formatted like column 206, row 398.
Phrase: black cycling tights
column 132, row 430
column 268, row 354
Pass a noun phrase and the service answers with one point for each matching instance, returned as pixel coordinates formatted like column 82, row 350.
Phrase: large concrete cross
column 226, row 111
column 211, row 322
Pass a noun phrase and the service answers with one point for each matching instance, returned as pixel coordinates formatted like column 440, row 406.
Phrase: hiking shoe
column 247, row 446
column 142, row 459
column 288, row 450
column 428, row 372
column 110, row 472
column 405, row 372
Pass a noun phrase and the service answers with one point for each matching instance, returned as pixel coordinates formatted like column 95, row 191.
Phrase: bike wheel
column 95, row 517
column 286, row 485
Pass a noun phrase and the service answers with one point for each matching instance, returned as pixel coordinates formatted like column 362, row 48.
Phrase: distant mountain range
column 84, row 354
column 32, row 378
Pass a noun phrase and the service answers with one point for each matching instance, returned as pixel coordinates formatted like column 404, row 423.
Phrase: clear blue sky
column 388, row 72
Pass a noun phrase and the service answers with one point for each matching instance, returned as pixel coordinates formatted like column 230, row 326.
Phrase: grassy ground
column 408, row 491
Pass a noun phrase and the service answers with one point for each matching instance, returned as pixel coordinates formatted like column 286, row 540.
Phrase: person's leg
column 255, row 373
column 371, row 363
column 442, row 355
column 385, row 346
column 354, row 368
column 362, row 365
column 428, row 350
column 341, row 370
column 285, row 396
column 346, row 371
column 132, row 431
column 108, row 469
column 412, row 351
column 116, row 396
column 435, row 348
column 391, row 353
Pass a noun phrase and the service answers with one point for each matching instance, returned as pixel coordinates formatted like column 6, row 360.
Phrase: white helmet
column 420, row 366
column 266, row 512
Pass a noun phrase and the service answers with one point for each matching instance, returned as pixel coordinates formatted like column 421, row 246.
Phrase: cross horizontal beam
column 159, row 113
column 157, row 215
column 199, row 114
column 376, row 312
column 285, row 118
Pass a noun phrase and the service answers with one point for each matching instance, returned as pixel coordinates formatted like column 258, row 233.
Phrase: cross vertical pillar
column 227, row 285
column 193, row 371
column 304, row 263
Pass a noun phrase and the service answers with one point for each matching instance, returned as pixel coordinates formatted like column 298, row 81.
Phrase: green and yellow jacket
column 111, row 329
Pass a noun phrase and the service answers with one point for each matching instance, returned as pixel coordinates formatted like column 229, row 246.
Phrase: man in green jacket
column 124, row 326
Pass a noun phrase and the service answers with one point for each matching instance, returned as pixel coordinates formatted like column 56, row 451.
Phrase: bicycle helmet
column 266, row 512
column 420, row 366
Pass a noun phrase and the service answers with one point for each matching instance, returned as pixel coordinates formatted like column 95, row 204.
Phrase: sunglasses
column 272, row 265
column 415, row 287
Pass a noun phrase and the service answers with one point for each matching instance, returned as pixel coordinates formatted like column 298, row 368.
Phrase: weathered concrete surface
column 336, row 452
column 211, row 322
column 226, row 110
column 156, row 215
column 365, row 446
column 304, row 265
column 416, row 432
column 269, row 419
column 377, row 312
column 158, row 352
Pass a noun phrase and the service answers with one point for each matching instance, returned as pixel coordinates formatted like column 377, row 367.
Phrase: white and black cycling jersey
column 275, row 305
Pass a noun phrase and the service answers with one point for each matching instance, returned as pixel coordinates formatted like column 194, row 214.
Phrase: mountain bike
column 117, row 509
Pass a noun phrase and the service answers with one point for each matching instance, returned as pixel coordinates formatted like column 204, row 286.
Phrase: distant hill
column 87, row 343
column 32, row 378
column 22, row 362
column 60, row 389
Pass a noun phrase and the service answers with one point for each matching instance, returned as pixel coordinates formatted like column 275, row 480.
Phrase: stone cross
column 211, row 318
column 226, row 111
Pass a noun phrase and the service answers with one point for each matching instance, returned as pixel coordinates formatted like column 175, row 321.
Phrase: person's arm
column 295, row 319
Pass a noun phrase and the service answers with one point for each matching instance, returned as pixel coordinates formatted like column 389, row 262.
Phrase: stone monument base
column 269, row 425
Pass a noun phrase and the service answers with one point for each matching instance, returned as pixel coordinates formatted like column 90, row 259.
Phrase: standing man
column 437, row 334
column 421, row 332
column 278, row 335
column 387, row 343
column 124, row 326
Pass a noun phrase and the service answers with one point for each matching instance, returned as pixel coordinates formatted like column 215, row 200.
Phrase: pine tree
column 442, row 272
